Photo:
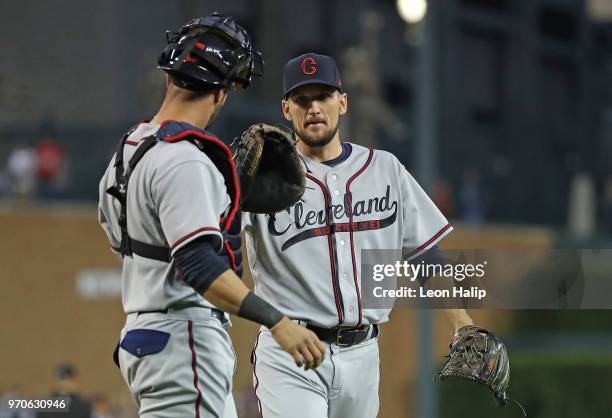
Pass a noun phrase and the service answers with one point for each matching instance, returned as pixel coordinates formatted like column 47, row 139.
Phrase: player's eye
column 302, row 101
column 306, row 101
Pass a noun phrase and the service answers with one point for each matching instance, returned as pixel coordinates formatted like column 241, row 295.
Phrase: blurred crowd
column 34, row 171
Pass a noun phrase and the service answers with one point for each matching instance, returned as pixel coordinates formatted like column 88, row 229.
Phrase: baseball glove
column 270, row 171
column 477, row 354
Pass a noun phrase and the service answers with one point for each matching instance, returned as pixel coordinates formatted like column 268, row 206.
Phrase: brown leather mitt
column 270, row 170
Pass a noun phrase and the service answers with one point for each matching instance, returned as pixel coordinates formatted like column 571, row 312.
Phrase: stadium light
column 412, row 11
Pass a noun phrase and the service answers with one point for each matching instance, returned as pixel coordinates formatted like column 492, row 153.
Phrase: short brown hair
column 194, row 95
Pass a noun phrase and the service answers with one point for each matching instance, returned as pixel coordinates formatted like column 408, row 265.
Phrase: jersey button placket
column 343, row 249
column 334, row 194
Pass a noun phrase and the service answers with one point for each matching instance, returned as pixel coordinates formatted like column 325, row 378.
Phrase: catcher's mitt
column 477, row 354
column 271, row 173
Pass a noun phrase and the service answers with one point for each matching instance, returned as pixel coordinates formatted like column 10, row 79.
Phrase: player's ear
column 343, row 99
column 285, row 107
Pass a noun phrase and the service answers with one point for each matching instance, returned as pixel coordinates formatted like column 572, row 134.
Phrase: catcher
column 167, row 203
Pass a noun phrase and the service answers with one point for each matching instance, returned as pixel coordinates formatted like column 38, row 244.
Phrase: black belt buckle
column 349, row 337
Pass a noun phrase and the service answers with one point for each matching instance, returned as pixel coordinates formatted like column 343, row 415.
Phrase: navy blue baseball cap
column 311, row 69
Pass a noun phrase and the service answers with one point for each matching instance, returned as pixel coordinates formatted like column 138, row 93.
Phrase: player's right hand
column 303, row 344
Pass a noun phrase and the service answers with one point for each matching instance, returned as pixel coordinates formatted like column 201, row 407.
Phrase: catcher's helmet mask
column 211, row 51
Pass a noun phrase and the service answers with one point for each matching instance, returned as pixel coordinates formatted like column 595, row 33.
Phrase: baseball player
column 306, row 260
column 168, row 200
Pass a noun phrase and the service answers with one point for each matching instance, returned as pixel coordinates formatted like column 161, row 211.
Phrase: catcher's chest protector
column 171, row 131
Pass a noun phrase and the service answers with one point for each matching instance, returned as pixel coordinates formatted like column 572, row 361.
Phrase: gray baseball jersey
column 176, row 195
column 308, row 265
column 176, row 355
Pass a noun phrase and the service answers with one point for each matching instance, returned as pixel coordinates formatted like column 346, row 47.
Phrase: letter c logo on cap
column 309, row 66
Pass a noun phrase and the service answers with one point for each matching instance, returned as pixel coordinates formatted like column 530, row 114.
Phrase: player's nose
column 314, row 108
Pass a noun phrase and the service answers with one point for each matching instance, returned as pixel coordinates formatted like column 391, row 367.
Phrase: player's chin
column 316, row 141
column 315, row 135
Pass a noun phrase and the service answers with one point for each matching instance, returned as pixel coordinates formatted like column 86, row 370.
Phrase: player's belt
column 345, row 337
column 214, row 313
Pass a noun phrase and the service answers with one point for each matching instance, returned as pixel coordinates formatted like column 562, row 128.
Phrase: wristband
column 258, row 310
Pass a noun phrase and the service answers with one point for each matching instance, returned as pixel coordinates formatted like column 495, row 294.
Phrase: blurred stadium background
column 502, row 108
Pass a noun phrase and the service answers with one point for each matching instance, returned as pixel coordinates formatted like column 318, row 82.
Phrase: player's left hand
column 478, row 355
